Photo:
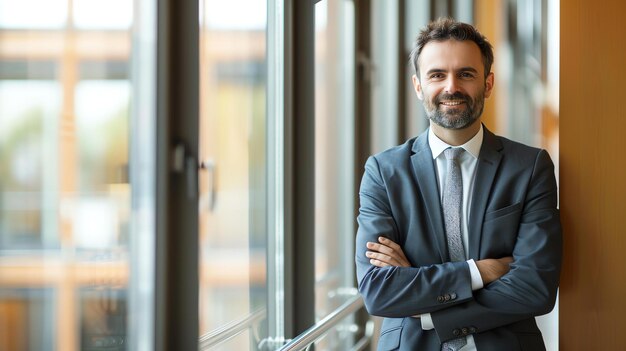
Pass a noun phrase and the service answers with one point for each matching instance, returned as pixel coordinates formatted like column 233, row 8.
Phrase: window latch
column 185, row 163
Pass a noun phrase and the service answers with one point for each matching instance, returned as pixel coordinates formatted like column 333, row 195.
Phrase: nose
column 452, row 84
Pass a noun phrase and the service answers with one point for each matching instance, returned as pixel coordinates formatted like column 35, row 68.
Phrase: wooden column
column 489, row 19
column 593, row 175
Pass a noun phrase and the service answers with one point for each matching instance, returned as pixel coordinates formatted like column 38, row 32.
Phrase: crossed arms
column 518, row 285
column 386, row 253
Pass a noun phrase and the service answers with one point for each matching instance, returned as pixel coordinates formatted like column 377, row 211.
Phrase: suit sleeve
column 530, row 287
column 400, row 291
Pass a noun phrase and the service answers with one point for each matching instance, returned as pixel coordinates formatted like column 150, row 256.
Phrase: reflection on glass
column 334, row 164
column 102, row 318
column 232, row 146
column 28, row 112
column 27, row 319
column 100, row 218
column 65, row 196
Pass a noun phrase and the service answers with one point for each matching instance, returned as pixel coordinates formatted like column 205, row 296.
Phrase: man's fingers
column 379, row 260
column 380, row 248
column 386, row 246
column 389, row 260
column 388, row 252
column 379, row 256
column 387, row 242
column 378, row 263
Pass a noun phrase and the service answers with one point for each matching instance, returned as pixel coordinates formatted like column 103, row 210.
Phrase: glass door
column 233, row 196
column 334, row 165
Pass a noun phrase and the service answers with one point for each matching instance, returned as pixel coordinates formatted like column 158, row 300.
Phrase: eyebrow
column 462, row 69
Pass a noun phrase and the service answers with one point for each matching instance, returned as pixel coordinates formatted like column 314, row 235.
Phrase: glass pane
column 33, row 14
column 28, row 115
column 384, row 56
column 103, row 14
column 27, row 319
column 69, row 215
column 233, row 214
column 334, row 163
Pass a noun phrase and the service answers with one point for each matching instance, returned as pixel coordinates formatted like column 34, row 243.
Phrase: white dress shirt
column 467, row 162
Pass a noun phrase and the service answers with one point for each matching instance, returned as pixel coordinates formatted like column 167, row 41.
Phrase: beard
column 455, row 118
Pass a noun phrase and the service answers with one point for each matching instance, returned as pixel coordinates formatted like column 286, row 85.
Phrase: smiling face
column 452, row 83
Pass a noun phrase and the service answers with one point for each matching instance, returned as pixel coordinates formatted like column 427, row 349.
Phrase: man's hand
column 386, row 253
column 492, row 269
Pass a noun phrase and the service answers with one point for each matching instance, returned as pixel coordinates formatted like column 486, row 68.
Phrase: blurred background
column 79, row 150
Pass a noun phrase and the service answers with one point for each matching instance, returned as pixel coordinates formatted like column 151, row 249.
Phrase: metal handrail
column 231, row 330
column 320, row 328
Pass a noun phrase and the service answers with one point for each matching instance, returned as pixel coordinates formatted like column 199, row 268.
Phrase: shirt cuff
column 427, row 321
column 477, row 280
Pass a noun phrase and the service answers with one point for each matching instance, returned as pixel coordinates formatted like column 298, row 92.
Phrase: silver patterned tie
column 452, row 211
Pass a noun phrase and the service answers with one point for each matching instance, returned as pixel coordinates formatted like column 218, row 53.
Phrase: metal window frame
column 300, row 165
column 277, row 202
column 176, row 308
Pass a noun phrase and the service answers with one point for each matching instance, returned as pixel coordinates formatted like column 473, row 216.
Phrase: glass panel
column 102, row 318
column 100, row 218
column 103, row 14
column 385, row 91
column 28, row 115
column 240, row 339
column 27, row 319
column 334, row 163
column 416, row 16
column 233, row 198
column 33, row 14
column 67, row 223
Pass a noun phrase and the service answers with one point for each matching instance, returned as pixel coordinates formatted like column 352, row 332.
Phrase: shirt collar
column 437, row 146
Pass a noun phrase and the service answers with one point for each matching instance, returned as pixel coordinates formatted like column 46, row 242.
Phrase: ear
column 418, row 87
column 489, row 84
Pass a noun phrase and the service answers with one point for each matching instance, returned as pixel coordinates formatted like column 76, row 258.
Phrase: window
column 74, row 195
column 80, row 241
column 334, row 164
column 233, row 196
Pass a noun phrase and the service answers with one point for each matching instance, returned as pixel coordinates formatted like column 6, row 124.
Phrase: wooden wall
column 593, row 175
column 489, row 19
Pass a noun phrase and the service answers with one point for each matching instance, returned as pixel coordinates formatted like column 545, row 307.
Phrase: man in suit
column 508, row 221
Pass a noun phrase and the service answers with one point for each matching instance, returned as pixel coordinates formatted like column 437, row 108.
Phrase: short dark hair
column 445, row 29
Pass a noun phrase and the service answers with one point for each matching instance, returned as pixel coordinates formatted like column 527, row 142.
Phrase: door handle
column 209, row 167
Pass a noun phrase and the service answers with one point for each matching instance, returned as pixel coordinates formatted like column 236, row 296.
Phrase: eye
column 466, row 75
column 436, row 76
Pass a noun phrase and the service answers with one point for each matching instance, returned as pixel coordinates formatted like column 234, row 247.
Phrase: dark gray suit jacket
column 513, row 213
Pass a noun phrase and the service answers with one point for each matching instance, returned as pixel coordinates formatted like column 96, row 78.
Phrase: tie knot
column 453, row 153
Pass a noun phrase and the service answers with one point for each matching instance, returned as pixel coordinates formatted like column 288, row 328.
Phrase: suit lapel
column 488, row 163
column 425, row 174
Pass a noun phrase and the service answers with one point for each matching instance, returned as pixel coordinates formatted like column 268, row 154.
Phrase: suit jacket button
column 464, row 331
column 447, row 297
column 453, row 296
column 473, row 330
column 440, row 298
column 456, row 332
